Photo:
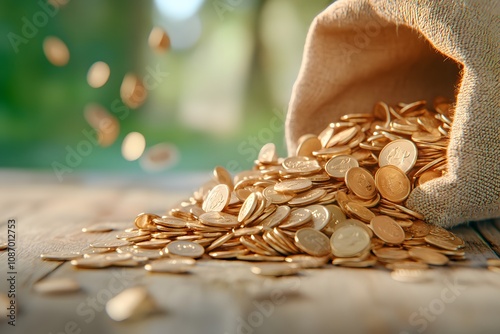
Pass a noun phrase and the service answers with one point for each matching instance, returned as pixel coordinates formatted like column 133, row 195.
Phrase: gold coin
column 3, row 245
column 110, row 244
column 343, row 136
column 61, row 256
column 152, row 244
column 360, row 182
column 387, row 230
column 220, row 241
column 248, row 207
column 281, row 213
column 493, row 262
column 56, row 286
column 93, row 262
column 312, row 242
column 174, row 266
column 185, row 248
column 267, row 153
column 307, row 145
column 390, row 253
column 217, row 199
column 297, row 217
column 338, row 166
column 349, row 240
column 295, row 186
column 260, row 258
column 219, row 219
column 409, row 275
column 222, row 176
column 145, row 221
column 308, row 197
column 275, row 196
column 401, row 153
column 407, row 265
column 275, row 269
column 158, row 40
column 168, row 221
column 132, row 91
column 443, row 243
column 428, row 256
column 428, row 175
column 98, row 74
column 392, row 183
column 360, row 212
column 308, row 261
column 56, row 51
column 132, row 303
column 301, row 165
column 320, row 216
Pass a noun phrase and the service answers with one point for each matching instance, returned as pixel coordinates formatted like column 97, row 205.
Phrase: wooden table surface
column 221, row 296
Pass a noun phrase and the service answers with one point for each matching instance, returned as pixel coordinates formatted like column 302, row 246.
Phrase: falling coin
column 56, row 51
column 158, row 40
column 132, row 303
column 98, row 74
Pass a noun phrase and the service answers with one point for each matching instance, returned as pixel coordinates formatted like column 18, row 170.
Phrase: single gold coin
column 185, row 248
column 223, row 176
column 301, row 165
column 219, row 219
column 132, row 303
column 307, row 197
column 392, row 183
column 267, row 154
column 294, row 186
column 110, row 244
column 429, row 175
column 217, row 199
column 96, row 261
column 158, row 40
column 297, row 217
column 312, row 242
column 173, row 266
column 275, row 196
column 144, row 221
column 275, row 269
column 320, row 216
column 281, row 213
column 428, row 256
column 308, row 261
column 360, row 182
column 56, row 51
column 387, row 230
column 444, row 242
column 248, row 207
column 391, row 253
column 61, row 256
column 349, row 240
column 401, row 153
column 359, row 211
column 338, row 166
column 56, row 286
column 98, row 74
column 307, row 145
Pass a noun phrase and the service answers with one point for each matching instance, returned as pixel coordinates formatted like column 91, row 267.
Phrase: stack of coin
column 340, row 198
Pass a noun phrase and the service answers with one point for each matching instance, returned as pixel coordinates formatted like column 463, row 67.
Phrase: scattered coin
column 360, row 182
column 174, row 266
column 338, row 166
column 401, row 153
column 275, row 269
column 185, row 248
column 60, row 256
column 132, row 303
column 392, row 183
column 428, row 256
column 56, row 286
column 349, row 240
column 98, row 74
column 387, row 230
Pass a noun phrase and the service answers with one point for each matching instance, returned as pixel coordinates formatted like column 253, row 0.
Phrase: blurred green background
column 227, row 78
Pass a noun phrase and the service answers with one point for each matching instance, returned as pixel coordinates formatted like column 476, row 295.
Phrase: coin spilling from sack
column 340, row 199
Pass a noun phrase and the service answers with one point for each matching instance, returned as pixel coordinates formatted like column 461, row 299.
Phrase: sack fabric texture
column 359, row 52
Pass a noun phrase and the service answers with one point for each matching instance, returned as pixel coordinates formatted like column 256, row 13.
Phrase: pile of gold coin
column 340, row 199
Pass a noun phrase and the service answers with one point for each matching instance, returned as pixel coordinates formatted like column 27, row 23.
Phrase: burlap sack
column 359, row 52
